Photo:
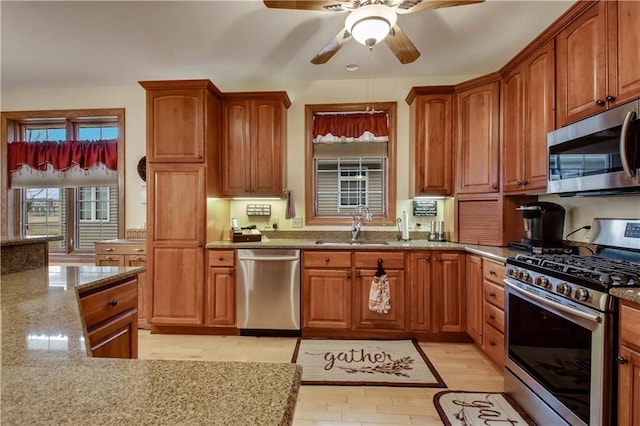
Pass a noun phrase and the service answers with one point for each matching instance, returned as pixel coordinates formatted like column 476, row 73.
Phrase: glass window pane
column 43, row 213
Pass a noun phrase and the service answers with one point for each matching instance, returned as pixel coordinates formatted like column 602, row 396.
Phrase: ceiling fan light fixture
column 370, row 24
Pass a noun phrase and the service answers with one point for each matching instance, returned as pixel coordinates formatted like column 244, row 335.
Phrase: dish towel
column 379, row 300
column 291, row 206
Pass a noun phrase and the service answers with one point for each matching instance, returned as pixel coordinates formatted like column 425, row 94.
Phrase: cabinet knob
column 113, row 302
column 326, row 259
column 494, row 186
column 427, row 258
column 492, row 317
column 518, row 182
column 108, row 258
column 200, row 244
column 199, row 156
column 610, row 98
column 220, row 259
column 349, row 274
column 621, row 360
column 439, row 259
column 358, row 274
column 108, row 249
column 600, row 102
column 492, row 273
column 492, row 294
column 137, row 257
column 422, row 189
column 230, row 273
column 524, row 182
column 492, row 343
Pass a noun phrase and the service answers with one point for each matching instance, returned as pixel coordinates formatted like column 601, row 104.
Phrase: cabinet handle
column 524, row 182
column 427, row 258
column 492, row 294
column 108, row 258
column 358, row 275
column 518, row 182
column 492, row 317
column 108, row 249
column 492, row 273
column 439, row 259
column 230, row 273
column 199, row 156
column 600, row 102
column 220, row 259
column 494, row 186
column 113, row 302
column 326, row 259
column 610, row 98
column 137, row 257
column 621, row 360
column 422, row 189
column 349, row 274
column 200, row 244
column 492, row 343
column 138, row 250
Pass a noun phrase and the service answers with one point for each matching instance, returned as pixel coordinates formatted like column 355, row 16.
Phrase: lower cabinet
column 220, row 290
column 629, row 365
column 493, row 311
column 474, row 297
column 111, row 317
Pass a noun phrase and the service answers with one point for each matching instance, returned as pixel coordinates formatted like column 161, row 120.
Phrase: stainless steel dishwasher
column 268, row 296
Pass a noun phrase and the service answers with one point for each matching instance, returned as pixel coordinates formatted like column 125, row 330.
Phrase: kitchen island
column 49, row 377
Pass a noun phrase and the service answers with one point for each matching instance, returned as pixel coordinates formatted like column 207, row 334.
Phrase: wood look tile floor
column 461, row 366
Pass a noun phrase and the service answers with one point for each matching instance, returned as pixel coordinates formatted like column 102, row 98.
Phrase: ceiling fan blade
column 401, row 46
column 332, row 47
column 411, row 6
column 324, row 5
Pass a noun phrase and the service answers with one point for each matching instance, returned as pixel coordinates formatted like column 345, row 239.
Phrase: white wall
column 580, row 211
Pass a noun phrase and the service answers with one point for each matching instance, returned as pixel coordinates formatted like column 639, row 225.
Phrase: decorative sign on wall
column 258, row 209
column 425, row 208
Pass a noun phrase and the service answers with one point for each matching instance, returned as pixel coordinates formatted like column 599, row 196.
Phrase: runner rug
column 365, row 363
column 479, row 408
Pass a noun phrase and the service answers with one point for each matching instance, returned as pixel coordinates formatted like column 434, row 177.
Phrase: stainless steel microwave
column 599, row 155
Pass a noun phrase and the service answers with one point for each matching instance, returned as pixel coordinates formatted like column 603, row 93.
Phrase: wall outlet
column 297, row 222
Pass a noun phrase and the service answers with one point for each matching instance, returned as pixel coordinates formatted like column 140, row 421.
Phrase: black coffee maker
column 543, row 227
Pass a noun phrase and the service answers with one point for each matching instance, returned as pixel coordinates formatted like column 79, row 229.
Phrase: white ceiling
column 103, row 43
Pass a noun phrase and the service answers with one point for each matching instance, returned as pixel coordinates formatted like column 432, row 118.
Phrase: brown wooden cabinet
column 629, row 365
column 111, row 317
column 597, row 60
column 326, row 290
column 474, row 297
column 431, row 140
column 477, row 138
column 421, row 295
column 527, row 105
column 127, row 253
column 254, row 127
column 365, row 264
column 493, row 311
column 220, row 291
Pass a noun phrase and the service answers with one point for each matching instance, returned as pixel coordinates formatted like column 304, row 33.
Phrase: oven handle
column 560, row 307
column 628, row 171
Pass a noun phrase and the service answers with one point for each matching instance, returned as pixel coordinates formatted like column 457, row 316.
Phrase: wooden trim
column 577, row 9
column 204, row 330
column 391, row 109
column 428, row 90
column 241, row 96
column 478, row 81
column 181, row 84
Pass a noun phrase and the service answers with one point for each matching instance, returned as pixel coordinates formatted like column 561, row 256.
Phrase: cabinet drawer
column 630, row 325
column 369, row 259
column 326, row 259
column 107, row 249
column 221, row 257
column 104, row 304
column 110, row 259
column 492, row 271
column 493, row 316
column 493, row 344
column 493, row 294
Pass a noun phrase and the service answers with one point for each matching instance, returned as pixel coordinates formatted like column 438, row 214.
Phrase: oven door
column 561, row 351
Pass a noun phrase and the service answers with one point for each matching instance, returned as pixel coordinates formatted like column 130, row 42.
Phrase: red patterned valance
column 63, row 155
column 350, row 125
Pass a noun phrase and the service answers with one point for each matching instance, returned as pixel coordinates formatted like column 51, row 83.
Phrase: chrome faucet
column 361, row 211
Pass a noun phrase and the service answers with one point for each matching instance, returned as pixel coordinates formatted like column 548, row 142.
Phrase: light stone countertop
column 48, row 378
column 10, row 240
column 629, row 294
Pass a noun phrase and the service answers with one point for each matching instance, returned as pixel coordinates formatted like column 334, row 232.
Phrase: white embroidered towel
column 379, row 299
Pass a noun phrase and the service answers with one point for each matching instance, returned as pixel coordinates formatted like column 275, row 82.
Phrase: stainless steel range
column 561, row 326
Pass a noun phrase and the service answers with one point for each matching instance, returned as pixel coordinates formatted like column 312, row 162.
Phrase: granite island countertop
column 49, row 378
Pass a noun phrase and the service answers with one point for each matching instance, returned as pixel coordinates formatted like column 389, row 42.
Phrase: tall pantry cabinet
column 183, row 156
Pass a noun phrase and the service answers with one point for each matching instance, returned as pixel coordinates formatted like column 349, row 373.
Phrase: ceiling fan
column 369, row 22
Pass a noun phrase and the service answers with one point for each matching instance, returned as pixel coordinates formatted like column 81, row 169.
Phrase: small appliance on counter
column 245, row 234
column 543, row 228
column 437, row 231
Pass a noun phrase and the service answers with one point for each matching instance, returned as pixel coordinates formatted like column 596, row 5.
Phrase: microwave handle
column 628, row 171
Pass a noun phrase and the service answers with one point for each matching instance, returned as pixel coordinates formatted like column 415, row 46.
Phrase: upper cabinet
column 527, row 95
column 477, row 139
column 598, row 56
column 254, row 127
column 430, row 139
column 180, row 120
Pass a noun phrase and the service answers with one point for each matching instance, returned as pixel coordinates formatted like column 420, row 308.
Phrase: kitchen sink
column 351, row 243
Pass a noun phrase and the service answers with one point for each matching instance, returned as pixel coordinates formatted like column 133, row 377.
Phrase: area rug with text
column 365, row 363
column 479, row 408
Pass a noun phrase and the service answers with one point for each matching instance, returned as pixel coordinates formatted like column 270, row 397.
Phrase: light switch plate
column 297, row 222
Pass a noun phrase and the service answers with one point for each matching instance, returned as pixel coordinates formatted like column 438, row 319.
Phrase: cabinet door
column 512, row 93
column 326, row 300
column 236, row 147
column 267, row 149
column 367, row 319
column 474, row 297
column 433, row 145
column 421, row 294
column 623, row 37
column 628, row 386
column 110, row 260
column 448, row 276
column 477, row 139
column 220, row 297
column 140, row 261
column 581, row 66
column 175, row 125
column 116, row 338
column 540, row 119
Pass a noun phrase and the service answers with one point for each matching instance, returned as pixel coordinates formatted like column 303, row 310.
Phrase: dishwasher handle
column 269, row 258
